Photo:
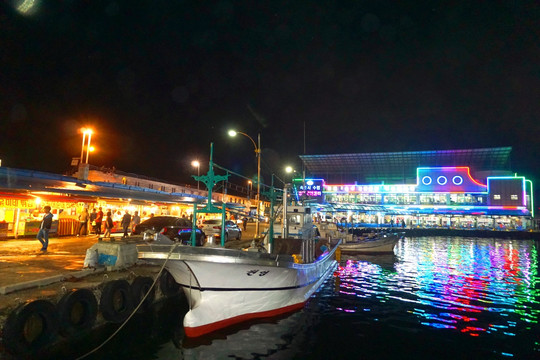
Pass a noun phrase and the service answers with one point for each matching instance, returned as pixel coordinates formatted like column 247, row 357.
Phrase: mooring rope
column 135, row 310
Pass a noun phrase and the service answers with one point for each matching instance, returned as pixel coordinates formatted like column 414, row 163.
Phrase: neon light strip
column 532, row 197
column 454, row 207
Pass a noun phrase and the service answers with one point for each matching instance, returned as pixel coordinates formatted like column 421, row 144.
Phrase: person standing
column 83, row 222
column 126, row 220
column 99, row 221
column 136, row 220
column 244, row 222
column 44, row 228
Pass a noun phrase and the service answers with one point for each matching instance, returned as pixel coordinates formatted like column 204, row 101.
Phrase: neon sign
column 453, row 179
column 312, row 188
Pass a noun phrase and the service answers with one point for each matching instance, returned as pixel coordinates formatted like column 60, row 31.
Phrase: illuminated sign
column 14, row 203
column 452, row 179
column 17, row 203
column 311, row 188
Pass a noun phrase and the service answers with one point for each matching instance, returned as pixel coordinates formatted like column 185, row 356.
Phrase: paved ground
column 21, row 259
column 28, row 274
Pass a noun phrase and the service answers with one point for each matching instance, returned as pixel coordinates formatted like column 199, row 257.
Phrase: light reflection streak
column 448, row 279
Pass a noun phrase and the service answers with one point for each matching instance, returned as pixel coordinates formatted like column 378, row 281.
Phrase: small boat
column 372, row 243
column 228, row 286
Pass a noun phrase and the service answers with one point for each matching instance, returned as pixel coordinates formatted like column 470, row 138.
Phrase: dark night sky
column 159, row 80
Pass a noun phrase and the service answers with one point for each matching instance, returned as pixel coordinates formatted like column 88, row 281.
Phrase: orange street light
column 86, row 132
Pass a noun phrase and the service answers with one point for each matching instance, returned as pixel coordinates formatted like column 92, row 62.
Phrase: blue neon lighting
column 457, row 180
column 442, row 180
column 426, row 180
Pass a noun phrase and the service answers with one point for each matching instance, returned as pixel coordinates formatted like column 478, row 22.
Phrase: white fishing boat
column 373, row 243
column 228, row 286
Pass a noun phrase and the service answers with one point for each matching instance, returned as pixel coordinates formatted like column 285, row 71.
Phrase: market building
column 470, row 188
column 24, row 193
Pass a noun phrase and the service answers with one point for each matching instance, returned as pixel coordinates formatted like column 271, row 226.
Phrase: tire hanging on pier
column 31, row 327
column 139, row 287
column 116, row 303
column 167, row 284
column 77, row 311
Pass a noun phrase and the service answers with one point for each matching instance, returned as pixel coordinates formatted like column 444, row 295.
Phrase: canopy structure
column 399, row 167
column 25, row 181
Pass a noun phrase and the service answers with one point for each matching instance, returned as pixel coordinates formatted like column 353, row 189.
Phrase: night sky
column 160, row 80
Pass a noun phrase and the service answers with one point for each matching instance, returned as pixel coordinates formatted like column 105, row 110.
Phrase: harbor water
column 436, row 298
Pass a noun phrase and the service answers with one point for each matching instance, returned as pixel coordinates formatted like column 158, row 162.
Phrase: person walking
column 99, row 221
column 136, row 220
column 93, row 216
column 108, row 225
column 83, row 223
column 244, row 222
column 44, row 228
column 126, row 220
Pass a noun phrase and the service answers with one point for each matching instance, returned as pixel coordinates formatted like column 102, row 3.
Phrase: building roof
column 398, row 166
column 26, row 181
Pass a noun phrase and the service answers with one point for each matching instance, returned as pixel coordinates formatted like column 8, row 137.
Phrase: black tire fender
column 116, row 303
column 167, row 284
column 31, row 327
column 139, row 287
column 77, row 311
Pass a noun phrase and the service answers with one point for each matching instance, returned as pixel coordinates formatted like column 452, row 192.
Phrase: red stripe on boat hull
column 206, row 329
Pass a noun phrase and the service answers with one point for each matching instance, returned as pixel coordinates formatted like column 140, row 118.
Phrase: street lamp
column 257, row 146
column 197, row 164
column 87, row 141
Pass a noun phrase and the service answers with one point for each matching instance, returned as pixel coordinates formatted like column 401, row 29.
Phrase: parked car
column 175, row 228
column 212, row 227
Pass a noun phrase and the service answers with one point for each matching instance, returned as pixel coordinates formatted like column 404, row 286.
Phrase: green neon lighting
column 532, row 197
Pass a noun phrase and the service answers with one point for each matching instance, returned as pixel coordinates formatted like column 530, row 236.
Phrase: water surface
column 436, row 298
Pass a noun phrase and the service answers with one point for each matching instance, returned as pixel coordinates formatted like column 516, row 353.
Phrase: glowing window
column 442, row 180
column 497, row 197
column 513, row 197
column 426, row 180
column 457, row 180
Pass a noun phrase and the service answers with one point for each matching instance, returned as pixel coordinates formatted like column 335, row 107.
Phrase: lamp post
column 197, row 164
column 257, row 146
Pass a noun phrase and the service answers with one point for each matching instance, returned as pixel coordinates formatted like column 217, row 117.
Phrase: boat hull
column 223, row 291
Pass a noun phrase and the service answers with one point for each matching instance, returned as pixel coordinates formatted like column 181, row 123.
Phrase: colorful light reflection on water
column 479, row 287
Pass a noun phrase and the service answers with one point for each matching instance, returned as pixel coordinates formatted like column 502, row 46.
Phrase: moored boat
column 377, row 243
column 228, row 286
